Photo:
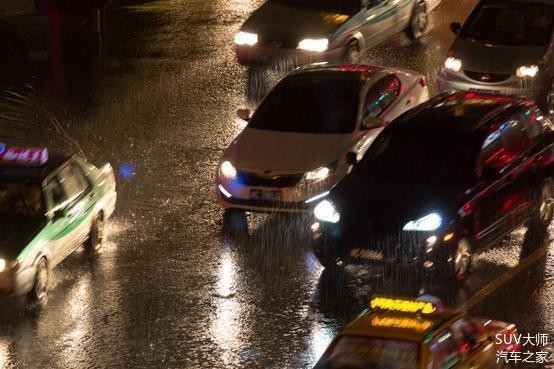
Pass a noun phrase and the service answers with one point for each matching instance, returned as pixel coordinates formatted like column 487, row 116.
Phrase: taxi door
column 377, row 21
column 78, row 208
column 56, row 200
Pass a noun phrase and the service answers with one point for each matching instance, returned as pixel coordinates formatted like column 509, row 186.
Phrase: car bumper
column 17, row 282
column 297, row 199
column 405, row 249
column 261, row 55
column 534, row 89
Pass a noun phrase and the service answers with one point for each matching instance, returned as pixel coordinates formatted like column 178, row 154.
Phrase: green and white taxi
column 49, row 206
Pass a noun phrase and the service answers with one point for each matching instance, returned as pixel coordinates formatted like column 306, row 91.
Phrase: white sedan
column 302, row 138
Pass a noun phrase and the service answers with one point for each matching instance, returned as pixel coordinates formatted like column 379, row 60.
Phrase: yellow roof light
column 403, row 323
column 402, row 305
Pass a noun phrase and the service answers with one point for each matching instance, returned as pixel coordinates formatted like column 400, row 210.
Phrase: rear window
column 358, row 352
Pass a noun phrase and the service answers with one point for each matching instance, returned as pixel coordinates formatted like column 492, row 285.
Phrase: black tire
column 96, row 235
column 544, row 208
column 419, row 22
column 461, row 259
column 40, row 284
column 352, row 54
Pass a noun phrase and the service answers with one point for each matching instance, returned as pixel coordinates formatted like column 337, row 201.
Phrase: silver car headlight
column 318, row 174
column 327, row 212
column 246, row 38
column 453, row 64
column 527, row 71
column 430, row 222
column 228, row 170
column 312, row 44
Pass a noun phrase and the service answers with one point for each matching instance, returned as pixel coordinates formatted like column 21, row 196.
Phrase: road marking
column 483, row 293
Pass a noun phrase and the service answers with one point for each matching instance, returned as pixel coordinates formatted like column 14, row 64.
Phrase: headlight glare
column 527, row 71
column 228, row 170
column 246, row 38
column 3, row 265
column 317, row 45
column 429, row 222
column 318, row 174
column 452, row 63
column 326, row 211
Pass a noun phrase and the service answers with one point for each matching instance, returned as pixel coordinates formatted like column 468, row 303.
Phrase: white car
column 302, row 138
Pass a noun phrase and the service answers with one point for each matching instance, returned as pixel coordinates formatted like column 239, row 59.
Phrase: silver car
column 303, row 31
column 504, row 47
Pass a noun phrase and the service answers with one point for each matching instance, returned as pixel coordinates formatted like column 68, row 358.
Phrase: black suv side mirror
column 455, row 27
column 352, row 158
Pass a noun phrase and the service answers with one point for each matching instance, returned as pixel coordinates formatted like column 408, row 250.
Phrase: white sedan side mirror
column 244, row 114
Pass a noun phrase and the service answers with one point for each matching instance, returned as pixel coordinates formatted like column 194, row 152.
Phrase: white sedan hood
column 286, row 152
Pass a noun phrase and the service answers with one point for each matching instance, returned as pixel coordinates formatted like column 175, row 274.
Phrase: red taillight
column 423, row 82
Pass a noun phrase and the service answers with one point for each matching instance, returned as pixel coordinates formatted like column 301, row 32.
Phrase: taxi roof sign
column 401, row 323
column 23, row 155
column 403, row 305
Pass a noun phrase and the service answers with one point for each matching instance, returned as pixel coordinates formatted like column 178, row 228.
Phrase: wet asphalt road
column 169, row 289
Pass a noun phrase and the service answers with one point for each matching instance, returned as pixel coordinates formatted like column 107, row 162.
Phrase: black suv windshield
column 510, row 23
column 412, row 156
column 20, row 200
column 311, row 103
column 344, row 7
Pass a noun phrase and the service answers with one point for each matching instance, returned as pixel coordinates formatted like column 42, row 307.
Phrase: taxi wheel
column 96, row 235
column 419, row 22
column 544, row 212
column 352, row 55
column 40, row 286
column 461, row 259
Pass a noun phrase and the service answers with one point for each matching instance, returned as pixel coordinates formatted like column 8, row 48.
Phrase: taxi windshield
column 510, row 23
column 315, row 103
column 345, row 6
column 358, row 352
column 20, row 200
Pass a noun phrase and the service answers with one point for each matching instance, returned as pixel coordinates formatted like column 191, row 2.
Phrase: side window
column 55, row 195
column 466, row 334
column 72, row 183
column 504, row 144
column 444, row 351
column 381, row 95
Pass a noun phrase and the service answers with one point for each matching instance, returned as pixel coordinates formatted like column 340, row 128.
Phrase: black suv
column 455, row 174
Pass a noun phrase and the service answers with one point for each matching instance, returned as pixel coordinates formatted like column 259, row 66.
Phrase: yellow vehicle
column 403, row 333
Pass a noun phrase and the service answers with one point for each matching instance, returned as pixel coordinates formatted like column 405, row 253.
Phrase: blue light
column 127, row 171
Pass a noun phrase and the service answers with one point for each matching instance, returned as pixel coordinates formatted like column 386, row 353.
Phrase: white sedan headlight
column 246, row 38
column 429, row 222
column 326, row 211
column 318, row 174
column 311, row 44
column 228, row 170
column 527, row 71
column 452, row 63
column 3, row 265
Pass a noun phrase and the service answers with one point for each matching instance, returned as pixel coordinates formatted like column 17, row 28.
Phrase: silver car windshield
column 510, row 23
column 325, row 103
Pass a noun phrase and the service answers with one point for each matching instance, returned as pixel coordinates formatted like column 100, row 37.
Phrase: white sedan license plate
column 266, row 195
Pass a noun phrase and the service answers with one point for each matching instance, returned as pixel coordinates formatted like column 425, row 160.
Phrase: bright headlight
column 318, row 174
column 228, row 170
column 429, row 222
column 527, row 71
column 246, row 38
column 3, row 265
column 326, row 211
column 454, row 64
column 311, row 44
